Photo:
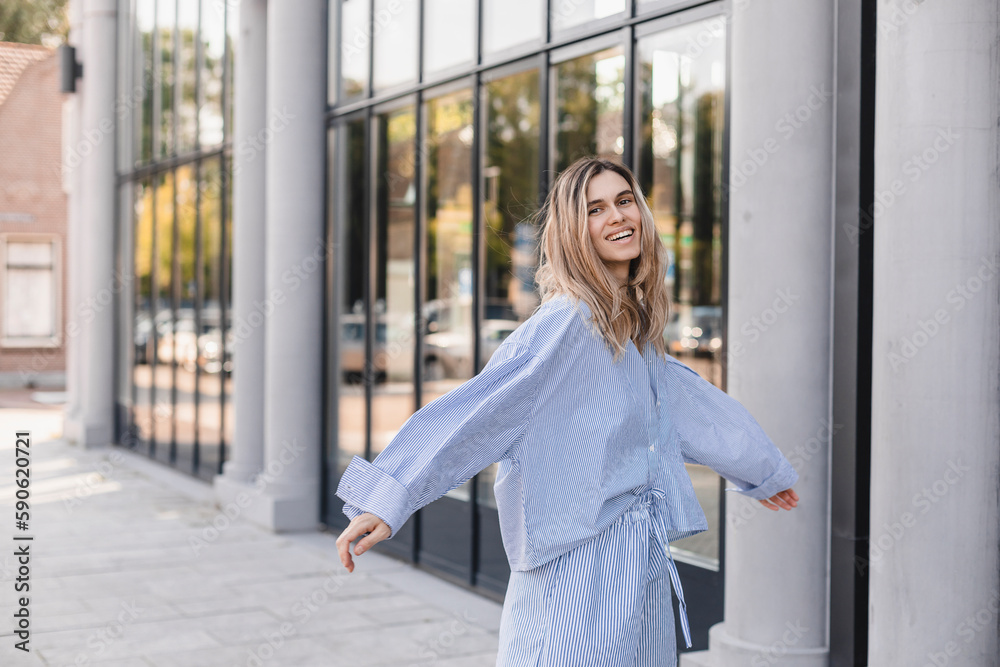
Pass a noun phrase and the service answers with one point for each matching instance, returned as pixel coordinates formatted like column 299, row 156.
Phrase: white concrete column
column 295, row 255
column 934, row 590
column 95, row 251
column 780, row 327
column 249, row 117
column 72, row 185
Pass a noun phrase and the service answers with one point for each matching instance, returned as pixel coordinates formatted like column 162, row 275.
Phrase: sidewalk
column 132, row 564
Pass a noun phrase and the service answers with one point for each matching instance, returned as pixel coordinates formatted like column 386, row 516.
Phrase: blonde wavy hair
column 569, row 263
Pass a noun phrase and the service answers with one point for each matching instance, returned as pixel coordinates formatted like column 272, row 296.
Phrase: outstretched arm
column 440, row 447
column 715, row 430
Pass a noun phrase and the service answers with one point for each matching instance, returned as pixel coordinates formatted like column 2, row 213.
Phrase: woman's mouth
column 621, row 236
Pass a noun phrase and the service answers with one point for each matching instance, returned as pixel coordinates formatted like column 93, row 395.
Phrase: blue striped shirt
column 579, row 439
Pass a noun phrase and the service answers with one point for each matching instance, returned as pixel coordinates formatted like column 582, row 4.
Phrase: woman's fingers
column 786, row 499
column 766, row 503
column 376, row 534
column 360, row 525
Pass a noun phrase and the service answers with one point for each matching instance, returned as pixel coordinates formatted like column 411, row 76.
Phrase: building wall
column 32, row 200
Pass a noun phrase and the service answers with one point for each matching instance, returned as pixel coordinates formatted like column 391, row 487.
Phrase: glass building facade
column 447, row 121
column 174, row 155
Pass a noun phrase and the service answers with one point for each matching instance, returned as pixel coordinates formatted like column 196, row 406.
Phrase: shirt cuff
column 783, row 478
column 367, row 488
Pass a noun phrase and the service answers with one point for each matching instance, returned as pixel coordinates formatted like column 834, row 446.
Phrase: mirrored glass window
column 212, row 364
column 394, row 27
column 449, row 34
column 163, row 376
column 213, row 43
column 392, row 365
column 185, row 331
column 350, row 280
column 228, row 414
column 447, row 312
column 143, row 331
column 355, row 45
column 589, row 107
column 143, row 94
column 681, row 109
column 187, row 75
column 165, row 30
column 577, row 12
column 511, row 23
column 509, row 199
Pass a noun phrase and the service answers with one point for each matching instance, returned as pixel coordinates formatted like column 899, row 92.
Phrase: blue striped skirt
column 605, row 603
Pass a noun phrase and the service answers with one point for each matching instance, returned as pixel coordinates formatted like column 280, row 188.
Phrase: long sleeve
column 447, row 441
column 717, row 431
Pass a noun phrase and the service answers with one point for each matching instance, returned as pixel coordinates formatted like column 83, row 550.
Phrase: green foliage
column 34, row 21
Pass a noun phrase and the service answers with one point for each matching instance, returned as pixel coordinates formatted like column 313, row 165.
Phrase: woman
column 591, row 422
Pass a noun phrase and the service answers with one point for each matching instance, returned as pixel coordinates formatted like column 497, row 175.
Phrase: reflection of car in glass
column 448, row 354
column 142, row 336
column 210, row 352
column 696, row 330
column 352, row 348
column 185, row 350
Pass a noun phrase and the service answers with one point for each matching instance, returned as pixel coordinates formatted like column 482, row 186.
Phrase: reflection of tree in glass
column 211, row 230
column 705, row 215
column 144, row 242
column 680, row 169
column 354, row 211
column 205, row 113
column 590, row 100
column 186, row 220
column 449, row 127
column 510, row 172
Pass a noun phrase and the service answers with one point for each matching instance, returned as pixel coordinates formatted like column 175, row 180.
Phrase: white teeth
column 620, row 235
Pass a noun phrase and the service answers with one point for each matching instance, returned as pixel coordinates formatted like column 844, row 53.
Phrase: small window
column 30, row 292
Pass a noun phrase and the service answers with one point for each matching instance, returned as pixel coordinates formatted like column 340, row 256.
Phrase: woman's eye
column 594, row 210
column 625, row 201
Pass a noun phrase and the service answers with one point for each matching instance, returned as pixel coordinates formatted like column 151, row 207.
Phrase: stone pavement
column 133, row 564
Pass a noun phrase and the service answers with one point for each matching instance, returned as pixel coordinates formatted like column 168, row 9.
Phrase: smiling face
column 614, row 221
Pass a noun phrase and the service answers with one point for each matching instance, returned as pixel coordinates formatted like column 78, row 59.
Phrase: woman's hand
column 376, row 530
column 787, row 499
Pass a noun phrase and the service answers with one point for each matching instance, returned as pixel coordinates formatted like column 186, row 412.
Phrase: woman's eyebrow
column 598, row 201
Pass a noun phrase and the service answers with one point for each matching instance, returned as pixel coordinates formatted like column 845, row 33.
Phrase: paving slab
column 129, row 569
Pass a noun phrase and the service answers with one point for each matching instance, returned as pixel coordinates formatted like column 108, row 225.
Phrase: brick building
column 32, row 218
